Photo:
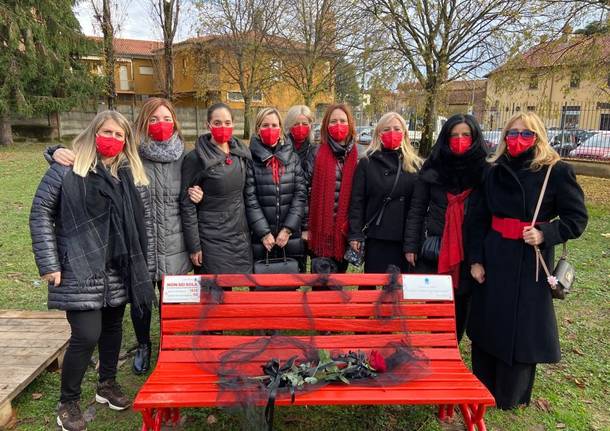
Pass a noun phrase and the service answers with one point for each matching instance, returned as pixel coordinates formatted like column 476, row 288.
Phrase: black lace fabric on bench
column 270, row 351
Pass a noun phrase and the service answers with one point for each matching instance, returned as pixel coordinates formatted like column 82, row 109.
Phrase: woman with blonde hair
column 90, row 245
column 298, row 131
column 381, row 196
column 275, row 191
column 512, row 321
column 447, row 192
column 158, row 136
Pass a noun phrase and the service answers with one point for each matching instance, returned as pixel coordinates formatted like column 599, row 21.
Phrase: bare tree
column 241, row 30
column 166, row 13
column 449, row 39
column 314, row 35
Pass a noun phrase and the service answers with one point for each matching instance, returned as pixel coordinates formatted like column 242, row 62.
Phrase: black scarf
column 454, row 172
column 102, row 217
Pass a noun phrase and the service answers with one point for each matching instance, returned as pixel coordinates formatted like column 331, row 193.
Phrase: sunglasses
column 513, row 133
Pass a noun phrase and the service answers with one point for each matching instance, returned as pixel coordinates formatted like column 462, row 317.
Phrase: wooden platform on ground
column 30, row 342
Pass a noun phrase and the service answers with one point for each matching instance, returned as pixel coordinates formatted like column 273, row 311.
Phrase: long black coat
column 373, row 180
column 49, row 243
column 217, row 226
column 269, row 206
column 512, row 316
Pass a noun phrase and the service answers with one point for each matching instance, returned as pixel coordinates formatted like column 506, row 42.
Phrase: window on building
column 236, row 96
column 575, row 80
column 570, row 117
column 533, row 82
column 146, row 70
column 608, row 80
column 531, row 108
column 604, row 122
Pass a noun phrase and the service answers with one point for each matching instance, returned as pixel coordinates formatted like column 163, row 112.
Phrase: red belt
column 509, row 228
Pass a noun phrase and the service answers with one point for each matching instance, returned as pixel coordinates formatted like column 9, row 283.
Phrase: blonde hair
column 85, row 150
column 411, row 162
column 148, row 108
column 544, row 154
column 292, row 115
column 263, row 113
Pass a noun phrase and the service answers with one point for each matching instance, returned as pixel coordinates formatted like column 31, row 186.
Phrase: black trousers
column 102, row 328
column 379, row 254
column 141, row 322
column 511, row 386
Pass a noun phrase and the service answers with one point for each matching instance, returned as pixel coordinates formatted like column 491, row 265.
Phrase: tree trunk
column 307, row 99
column 108, row 32
column 247, row 109
column 6, row 134
column 427, row 136
column 169, row 71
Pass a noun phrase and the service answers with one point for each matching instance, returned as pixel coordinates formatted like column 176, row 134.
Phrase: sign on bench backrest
column 179, row 289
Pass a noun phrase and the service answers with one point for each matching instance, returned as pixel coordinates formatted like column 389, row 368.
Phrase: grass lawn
column 571, row 395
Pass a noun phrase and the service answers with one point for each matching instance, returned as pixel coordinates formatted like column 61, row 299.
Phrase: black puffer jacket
column 49, row 244
column 373, row 181
column 269, row 206
column 340, row 153
column 304, row 152
column 217, row 226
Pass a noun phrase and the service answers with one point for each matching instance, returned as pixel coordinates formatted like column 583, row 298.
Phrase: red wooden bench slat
column 284, row 353
column 313, row 310
column 302, row 323
column 275, row 280
column 327, row 397
column 352, row 342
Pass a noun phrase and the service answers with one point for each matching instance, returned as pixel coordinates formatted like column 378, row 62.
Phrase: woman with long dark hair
column 512, row 322
column 447, row 192
column 329, row 172
column 216, row 230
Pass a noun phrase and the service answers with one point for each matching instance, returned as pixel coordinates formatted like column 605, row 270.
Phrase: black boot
column 141, row 362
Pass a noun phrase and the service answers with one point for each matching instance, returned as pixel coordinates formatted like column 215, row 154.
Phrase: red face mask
column 299, row 132
column 270, row 136
column 516, row 145
column 161, row 130
column 108, row 146
column 221, row 134
column 338, row 131
column 460, row 144
column 392, row 139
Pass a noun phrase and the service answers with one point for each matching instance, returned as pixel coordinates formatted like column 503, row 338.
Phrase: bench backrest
column 343, row 319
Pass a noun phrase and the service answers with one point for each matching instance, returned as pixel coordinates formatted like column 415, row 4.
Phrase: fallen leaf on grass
column 606, row 235
column 543, row 405
column 579, row 383
column 212, row 420
column 560, row 425
column 577, row 351
column 36, row 396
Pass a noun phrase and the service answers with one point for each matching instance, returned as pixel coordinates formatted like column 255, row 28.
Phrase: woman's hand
column 532, row 236
column 64, row 156
column 268, row 241
column 195, row 194
column 305, row 235
column 411, row 258
column 478, row 272
column 355, row 245
column 54, row 278
column 197, row 258
column 283, row 237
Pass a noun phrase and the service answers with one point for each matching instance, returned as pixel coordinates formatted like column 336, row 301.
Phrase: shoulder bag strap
column 539, row 259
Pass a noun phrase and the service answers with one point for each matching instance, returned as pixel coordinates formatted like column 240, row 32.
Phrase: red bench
column 179, row 380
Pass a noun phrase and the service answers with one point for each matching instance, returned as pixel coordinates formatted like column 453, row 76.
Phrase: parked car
column 491, row 139
column 595, row 147
column 316, row 133
column 568, row 140
column 365, row 136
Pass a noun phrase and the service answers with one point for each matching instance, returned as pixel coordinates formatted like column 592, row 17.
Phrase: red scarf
column 327, row 232
column 452, row 250
column 277, row 168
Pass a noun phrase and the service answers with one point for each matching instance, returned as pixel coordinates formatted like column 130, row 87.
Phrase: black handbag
column 563, row 275
column 431, row 248
column 278, row 265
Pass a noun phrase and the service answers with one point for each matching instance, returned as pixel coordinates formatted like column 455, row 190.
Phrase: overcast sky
column 135, row 20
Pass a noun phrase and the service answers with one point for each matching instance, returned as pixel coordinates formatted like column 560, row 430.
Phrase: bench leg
column 473, row 416
column 445, row 412
column 148, row 422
